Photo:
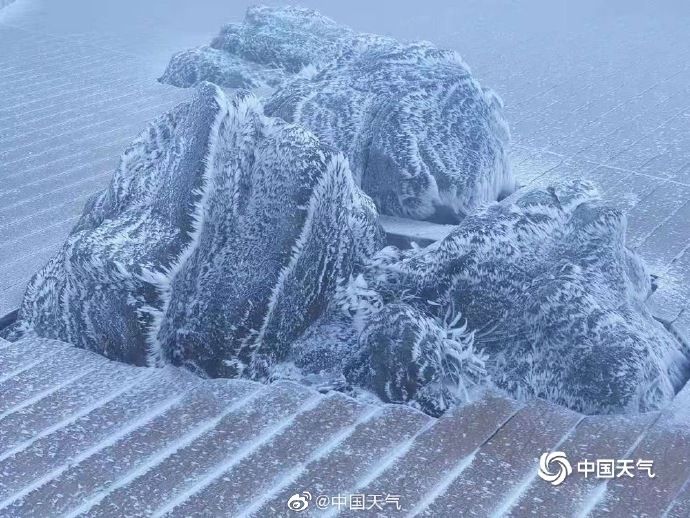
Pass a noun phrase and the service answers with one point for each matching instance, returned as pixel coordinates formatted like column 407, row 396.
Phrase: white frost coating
column 152, row 461
column 334, row 165
column 514, row 496
column 24, row 368
column 43, row 394
column 442, row 486
column 554, row 299
column 162, row 266
column 382, row 465
column 74, row 417
column 109, row 441
column 235, row 459
column 164, row 279
column 594, row 497
column 598, row 494
column 423, row 138
column 294, row 474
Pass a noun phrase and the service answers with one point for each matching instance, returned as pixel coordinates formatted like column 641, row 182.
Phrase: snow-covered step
column 680, row 507
column 272, row 465
column 37, row 460
column 204, row 452
column 44, row 410
column 377, row 440
column 438, row 452
column 596, row 437
column 110, row 462
column 645, row 218
column 20, row 355
column 154, row 442
column 496, row 475
column 667, row 445
column 42, row 376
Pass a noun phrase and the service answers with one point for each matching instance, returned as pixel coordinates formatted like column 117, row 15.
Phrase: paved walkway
column 592, row 89
column 81, row 435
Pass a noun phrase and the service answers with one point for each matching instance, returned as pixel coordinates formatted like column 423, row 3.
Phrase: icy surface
column 554, row 300
column 220, row 238
column 271, row 44
column 424, row 139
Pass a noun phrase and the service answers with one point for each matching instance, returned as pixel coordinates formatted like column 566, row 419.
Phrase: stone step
column 653, row 210
column 28, row 465
column 23, row 423
column 680, row 508
column 18, row 355
column 46, row 374
column 104, row 464
column 667, row 444
column 233, row 490
column 340, row 470
column 493, row 479
column 439, row 451
column 402, row 231
column 176, row 471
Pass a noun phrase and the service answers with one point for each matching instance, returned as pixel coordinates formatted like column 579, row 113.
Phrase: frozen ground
column 85, row 436
column 591, row 89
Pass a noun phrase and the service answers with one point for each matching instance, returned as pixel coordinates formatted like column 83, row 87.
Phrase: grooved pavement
column 91, row 437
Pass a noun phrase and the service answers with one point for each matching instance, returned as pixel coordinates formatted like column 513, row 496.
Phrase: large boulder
column 220, row 239
column 423, row 138
column 554, row 299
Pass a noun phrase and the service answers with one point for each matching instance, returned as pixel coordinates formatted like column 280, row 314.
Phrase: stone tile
column 495, row 476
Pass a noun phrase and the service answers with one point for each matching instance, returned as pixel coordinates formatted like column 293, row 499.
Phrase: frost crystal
column 423, row 138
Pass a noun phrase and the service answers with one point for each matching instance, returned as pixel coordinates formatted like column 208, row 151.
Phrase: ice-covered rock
column 401, row 350
column 554, row 298
column 220, row 239
column 406, row 356
column 423, row 138
column 271, row 44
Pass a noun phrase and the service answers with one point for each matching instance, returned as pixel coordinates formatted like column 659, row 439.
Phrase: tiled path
column 81, row 435
column 594, row 89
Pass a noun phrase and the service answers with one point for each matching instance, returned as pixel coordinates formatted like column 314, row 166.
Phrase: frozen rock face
column 554, row 298
column 423, row 138
column 406, row 355
column 271, row 44
column 391, row 344
column 220, row 239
